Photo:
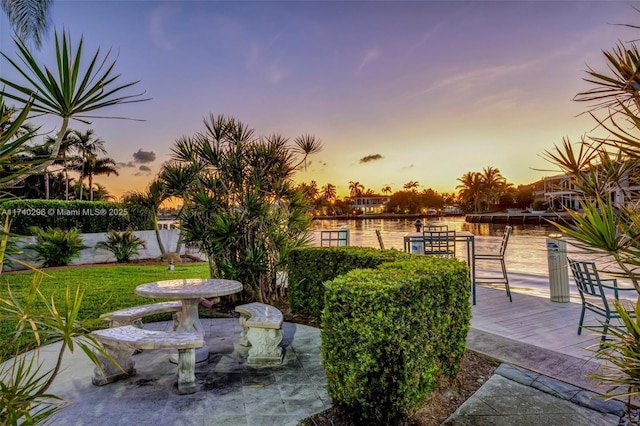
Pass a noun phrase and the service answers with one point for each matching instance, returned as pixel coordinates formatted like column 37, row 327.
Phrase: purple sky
column 435, row 89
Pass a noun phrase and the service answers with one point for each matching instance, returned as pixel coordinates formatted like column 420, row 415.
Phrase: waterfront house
column 370, row 204
column 559, row 191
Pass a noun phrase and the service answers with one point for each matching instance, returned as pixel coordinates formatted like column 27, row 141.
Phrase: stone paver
column 232, row 393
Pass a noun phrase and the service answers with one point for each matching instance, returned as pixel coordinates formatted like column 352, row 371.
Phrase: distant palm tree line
column 477, row 192
column 80, row 152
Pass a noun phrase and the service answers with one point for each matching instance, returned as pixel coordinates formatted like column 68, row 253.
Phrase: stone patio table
column 190, row 291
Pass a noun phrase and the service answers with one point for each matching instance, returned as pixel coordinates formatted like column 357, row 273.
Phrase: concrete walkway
column 543, row 376
column 541, row 381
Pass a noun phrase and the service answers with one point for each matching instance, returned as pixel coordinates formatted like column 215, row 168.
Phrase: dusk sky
column 430, row 89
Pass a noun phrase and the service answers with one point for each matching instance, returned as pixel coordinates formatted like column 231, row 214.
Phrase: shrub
column 388, row 333
column 310, row 267
column 123, row 245
column 86, row 216
column 56, row 247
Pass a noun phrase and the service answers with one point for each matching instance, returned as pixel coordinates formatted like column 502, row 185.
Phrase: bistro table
column 414, row 243
column 190, row 291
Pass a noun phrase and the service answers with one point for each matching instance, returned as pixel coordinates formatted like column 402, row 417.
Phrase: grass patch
column 106, row 288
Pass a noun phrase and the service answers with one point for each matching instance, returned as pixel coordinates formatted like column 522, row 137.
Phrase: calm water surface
column 526, row 252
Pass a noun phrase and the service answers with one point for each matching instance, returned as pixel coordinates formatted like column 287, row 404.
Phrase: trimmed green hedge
column 86, row 216
column 388, row 333
column 310, row 267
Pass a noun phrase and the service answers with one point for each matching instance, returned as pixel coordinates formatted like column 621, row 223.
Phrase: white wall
column 91, row 255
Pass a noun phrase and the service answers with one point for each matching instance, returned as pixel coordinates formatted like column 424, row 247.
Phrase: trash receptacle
column 558, row 269
column 417, row 245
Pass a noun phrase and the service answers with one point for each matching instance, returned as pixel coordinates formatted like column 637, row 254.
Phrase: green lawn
column 106, row 288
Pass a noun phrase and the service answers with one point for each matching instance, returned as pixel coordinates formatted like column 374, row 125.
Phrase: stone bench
column 134, row 315
column 262, row 330
column 120, row 343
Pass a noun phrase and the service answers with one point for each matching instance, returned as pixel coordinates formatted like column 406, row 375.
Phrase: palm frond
column 30, row 19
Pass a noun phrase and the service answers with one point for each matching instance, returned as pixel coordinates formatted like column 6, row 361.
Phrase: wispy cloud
column 500, row 100
column 158, row 24
column 476, row 77
column 425, row 38
column 369, row 56
column 276, row 75
column 261, row 59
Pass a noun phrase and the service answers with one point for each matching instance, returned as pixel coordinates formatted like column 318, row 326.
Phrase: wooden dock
column 535, row 218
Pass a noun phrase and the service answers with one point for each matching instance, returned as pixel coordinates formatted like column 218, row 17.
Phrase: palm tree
column 101, row 193
column 494, row 184
column 66, row 147
column 29, row 18
column 329, row 192
column 386, row 189
column 313, row 190
column 94, row 166
column 151, row 199
column 175, row 179
column 58, row 184
column 608, row 221
column 70, row 92
column 471, row 188
column 615, row 92
column 241, row 204
column 412, row 185
column 355, row 189
column 87, row 146
column 328, row 195
column 310, row 190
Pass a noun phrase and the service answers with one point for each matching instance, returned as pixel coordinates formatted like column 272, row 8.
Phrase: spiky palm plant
column 123, row 245
column 24, row 396
column 73, row 91
column 241, row 206
column 600, row 167
column 55, row 246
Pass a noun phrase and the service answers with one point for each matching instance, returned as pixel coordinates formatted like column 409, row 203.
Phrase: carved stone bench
column 120, row 343
column 134, row 315
column 262, row 330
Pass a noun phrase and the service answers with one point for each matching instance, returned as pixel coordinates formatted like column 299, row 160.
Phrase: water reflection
column 526, row 253
column 456, row 223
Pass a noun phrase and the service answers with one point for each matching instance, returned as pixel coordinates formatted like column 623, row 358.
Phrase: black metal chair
column 496, row 257
column 439, row 243
column 433, row 227
column 598, row 297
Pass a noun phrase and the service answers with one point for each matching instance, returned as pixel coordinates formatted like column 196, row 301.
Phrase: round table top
column 192, row 288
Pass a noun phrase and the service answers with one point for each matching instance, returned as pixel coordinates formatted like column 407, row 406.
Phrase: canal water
column 526, row 251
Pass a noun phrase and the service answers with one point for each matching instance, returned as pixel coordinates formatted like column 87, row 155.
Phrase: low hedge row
column 86, row 216
column 388, row 333
column 310, row 267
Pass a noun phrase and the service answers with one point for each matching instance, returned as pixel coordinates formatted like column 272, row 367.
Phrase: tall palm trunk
column 66, row 178
column 90, row 187
column 156, row 228
column 46, row 185
column 82, row 176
